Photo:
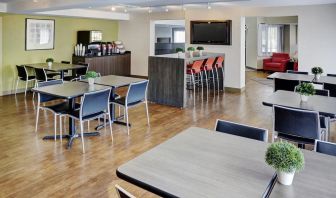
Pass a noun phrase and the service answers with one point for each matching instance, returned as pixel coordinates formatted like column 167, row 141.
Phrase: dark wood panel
column 108, row 65
column 166, row 81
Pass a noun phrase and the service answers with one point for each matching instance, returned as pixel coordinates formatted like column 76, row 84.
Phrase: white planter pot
column 317, row 76
column 201, row 52
column 49, row 64
column 91, row 81
column 304, row 98
column 285, row 178
column 191, row 53
column 179, row 54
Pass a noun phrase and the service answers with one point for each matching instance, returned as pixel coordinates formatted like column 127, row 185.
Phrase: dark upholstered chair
column 331, row 88
column 297, row 72
column 241, row 130
column 325, row 147
column 331, row 75
column 23, row 76
column 283, row 84
column 122, row 193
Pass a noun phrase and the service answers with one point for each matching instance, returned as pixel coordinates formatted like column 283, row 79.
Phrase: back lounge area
column 150, row 99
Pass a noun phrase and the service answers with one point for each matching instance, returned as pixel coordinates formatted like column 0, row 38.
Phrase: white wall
column 163, row 32
column 251, row 42
column 1, row 54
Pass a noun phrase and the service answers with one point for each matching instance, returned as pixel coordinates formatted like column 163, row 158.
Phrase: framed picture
column 40, row 34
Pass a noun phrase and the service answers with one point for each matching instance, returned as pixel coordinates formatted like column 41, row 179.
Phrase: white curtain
column 270, row 39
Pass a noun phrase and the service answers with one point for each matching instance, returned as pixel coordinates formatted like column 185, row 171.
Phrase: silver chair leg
column 223, row 73
column 213, row 79
column 60, row 127
column 17, row 84
column 194, row 87
column 126, row 115
column 217, row 79
column 37, row 116
column 82, row 135
column 26, row 88
column 88, row 125
column 146, row 103
column 55, row 125
column 110, row 123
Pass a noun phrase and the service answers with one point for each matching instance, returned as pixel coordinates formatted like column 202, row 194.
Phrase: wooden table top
column 202, row 163
column 115, row 81
column 55, row 66
column 323, row 104
column 317, row 179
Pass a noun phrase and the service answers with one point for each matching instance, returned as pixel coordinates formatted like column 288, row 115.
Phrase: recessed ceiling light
column 209, row 6
column 35, row 1
column 125, row 10
column 184, row 8
column 90, row 7
column 150, row 10
column 167, row 10
column 113, row 8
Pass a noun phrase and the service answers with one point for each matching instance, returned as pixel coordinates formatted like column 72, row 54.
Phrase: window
column 270, row 39
column 178, row 36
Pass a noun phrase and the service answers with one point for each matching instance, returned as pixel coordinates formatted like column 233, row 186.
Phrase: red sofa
column 278, row 62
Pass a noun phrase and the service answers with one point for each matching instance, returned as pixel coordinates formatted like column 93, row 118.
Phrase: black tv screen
column 210, row 32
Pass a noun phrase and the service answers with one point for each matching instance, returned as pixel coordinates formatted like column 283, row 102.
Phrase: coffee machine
column 94, row 49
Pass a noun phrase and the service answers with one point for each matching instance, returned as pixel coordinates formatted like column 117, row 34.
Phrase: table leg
column 62, row 75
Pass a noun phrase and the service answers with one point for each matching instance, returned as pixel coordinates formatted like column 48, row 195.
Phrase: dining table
column 303, row 78
column 56, row 67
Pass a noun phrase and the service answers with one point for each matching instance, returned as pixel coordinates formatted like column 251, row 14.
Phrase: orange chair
column 196, row 69
column 220, row 65
column 209, row 69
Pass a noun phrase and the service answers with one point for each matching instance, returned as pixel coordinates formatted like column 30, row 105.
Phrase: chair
column 331, row 88
column 78, row 72
column 219, row 65
column 93, row 106
column 283, row 84
column 193, row 70
column 331, row 75
column 297, row 72
column 122, row 193
column 57, row 109
column 325, row 147
column 277, row 63
column 319, row 92
column 23, row 76
column 136, row 94
column 241, row 130
column 300, row 126
column 209, row 71
column 41, row 75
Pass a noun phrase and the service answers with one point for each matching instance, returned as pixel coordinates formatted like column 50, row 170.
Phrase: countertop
column 185, row 56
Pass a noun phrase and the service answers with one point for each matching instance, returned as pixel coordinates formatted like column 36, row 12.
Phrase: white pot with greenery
column 200, row 50
column 317, row 71
column 305, row 90
column 91, row 75
column 286, row 159
column 49, row 61
column 191, row 51
column 179, row 52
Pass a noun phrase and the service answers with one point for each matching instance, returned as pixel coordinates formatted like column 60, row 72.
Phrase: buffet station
column 106, row 58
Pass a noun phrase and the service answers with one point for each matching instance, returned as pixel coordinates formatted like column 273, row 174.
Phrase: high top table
column 70, row 91
column 200, row 163
column 56, row 67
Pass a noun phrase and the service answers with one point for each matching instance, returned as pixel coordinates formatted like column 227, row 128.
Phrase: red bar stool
column 196, row 69
column 209, row 69
column 219, row 65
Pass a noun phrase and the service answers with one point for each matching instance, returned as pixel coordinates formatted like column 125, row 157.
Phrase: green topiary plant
column 49, row 60
column 179, row 50
column 191, row 49
column 317, row 70
column 306, row 89
column 200, row 48
column 284, row 157
column 91, row 74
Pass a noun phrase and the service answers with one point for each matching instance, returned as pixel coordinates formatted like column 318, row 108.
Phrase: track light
column 149, row 10
column 167, row 10
column 209, row 6
column 113, row 9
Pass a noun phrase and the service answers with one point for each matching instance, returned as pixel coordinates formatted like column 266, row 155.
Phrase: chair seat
column 75, row 114
column 29, row 78
column 122, row 101
column 61, row 108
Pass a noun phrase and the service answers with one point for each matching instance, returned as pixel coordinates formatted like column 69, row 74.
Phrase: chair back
column 241, row 130
column 283, row 84
column 297, row 72
column 331, row 75
column 137, row 92
column 122, row 193
column 325, row 147
column 219, row 62
column 296, row 122
column 197, row 66
column 44, row 97
column 319, row 92
column 40, row 74
column 95, row 102
column 82, row 71
column 22, row 72
column 209, row 63
column 331, row 88
column 65, row 62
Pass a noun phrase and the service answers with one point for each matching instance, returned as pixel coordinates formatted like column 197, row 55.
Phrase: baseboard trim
column 12, row 92
column 234, row 90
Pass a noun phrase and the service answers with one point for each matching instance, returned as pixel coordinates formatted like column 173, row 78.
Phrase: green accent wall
column 13, row 42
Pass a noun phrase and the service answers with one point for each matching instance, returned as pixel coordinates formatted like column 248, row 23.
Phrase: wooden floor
column 32, row 167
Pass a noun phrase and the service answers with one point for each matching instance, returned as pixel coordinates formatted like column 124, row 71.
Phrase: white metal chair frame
column 26, row 80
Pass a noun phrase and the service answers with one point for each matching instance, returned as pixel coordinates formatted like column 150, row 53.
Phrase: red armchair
column 277, row 62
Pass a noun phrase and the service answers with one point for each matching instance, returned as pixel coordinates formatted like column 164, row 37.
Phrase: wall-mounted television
column 211, row 32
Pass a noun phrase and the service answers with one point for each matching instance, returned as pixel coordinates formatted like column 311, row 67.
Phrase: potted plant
column 305, row 90
column 91, row 75
column 179, row 51
column 286, row 159
column 317, row 71
column 191, row 51
column 49, row 61
column 200, row 49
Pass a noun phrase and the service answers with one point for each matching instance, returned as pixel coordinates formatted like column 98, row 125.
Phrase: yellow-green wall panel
column 13, row 34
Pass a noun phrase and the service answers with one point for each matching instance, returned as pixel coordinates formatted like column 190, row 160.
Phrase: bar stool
column 196, row 69
column 209, row 69
column 219, row 65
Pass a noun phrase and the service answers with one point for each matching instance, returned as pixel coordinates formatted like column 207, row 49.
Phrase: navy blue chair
column 283, row 84
column 23, row 76
column 122, row 193
column 241, row 130
column 297, row 72
column 331, row 88
column 57, row 109
column 325, row 147
column 300, row 126
column 93, row 106
column 136, row 94
column 78, row 72
column 331, row 75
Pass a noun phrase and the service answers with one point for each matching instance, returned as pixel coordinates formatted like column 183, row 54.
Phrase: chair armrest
column 267, row 60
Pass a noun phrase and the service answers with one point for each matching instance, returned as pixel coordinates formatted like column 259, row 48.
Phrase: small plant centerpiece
column 200, row 50
column 91, row 75
column 317, row 71
column 179, row 52
column 286, row 159
column 191, row 51
column 49, row 61
column 305, row 90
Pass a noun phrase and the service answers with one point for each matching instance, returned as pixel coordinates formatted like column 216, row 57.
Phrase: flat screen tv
column 211, row 32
